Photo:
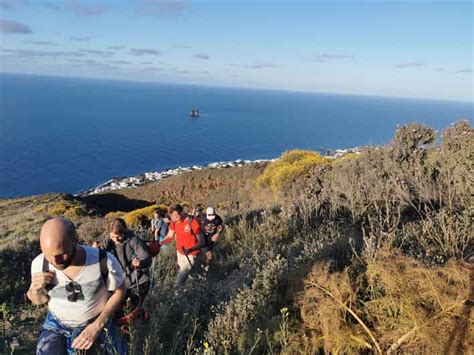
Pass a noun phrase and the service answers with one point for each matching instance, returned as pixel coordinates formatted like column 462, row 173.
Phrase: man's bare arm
column 217, row 235
column 90, row 333
column 200, row 243
column 169, row 237
column 111, row 306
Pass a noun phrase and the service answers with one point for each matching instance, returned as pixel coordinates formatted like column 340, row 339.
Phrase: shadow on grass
column 110, row 202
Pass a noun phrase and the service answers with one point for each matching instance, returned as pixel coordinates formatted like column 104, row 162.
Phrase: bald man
column 81, row 298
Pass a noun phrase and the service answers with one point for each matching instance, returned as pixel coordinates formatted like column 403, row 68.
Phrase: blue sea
column 67, row 134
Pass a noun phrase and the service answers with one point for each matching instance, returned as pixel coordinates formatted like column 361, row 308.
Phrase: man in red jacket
column 189, row 241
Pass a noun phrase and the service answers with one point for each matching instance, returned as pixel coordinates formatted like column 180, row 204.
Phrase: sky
column 417, row 48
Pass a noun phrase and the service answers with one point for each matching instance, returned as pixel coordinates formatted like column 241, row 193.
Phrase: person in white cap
column 212, row 227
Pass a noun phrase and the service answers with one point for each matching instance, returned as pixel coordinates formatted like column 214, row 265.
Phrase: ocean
column 69, row 134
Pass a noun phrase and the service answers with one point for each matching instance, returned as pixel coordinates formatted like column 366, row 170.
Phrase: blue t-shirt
column 162, row 228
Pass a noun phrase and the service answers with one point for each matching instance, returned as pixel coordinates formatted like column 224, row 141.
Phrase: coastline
column 130, row 182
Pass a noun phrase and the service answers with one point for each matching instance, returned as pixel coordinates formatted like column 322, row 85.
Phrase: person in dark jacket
column 212, row 227
column 132, row 254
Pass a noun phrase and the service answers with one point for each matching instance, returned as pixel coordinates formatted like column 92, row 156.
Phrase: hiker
column 197, row 213
column 154, row 221
column 132, row 254
column 189, row 241
column 159, row 225
column 81, row 298
column 212, row 227
column 167, row 221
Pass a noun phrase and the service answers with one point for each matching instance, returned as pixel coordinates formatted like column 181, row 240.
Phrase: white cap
column 210, row 211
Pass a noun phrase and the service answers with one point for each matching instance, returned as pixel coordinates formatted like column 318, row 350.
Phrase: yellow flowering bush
column 64, row 208
column 291, row 165
column 347, row 157
column 137, row 217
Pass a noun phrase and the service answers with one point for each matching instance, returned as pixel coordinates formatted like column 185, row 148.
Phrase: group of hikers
column 93, row 292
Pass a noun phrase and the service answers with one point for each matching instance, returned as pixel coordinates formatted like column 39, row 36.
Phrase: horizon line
column 239, row 87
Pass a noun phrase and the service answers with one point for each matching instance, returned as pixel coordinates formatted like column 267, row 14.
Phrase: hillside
column 231, row 188
column 367, row 253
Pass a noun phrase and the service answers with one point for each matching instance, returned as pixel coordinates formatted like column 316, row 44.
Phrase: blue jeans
column 56, row 339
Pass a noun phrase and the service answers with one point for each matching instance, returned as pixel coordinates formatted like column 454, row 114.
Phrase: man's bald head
column 58, row 241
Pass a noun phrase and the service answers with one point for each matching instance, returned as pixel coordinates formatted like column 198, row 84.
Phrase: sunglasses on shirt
column 75, row 292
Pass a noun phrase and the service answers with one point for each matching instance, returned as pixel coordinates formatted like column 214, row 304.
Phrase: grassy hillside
column 227, row 189
column 364, row 254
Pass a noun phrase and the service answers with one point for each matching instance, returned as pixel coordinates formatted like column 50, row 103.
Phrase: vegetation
column 290, row 166
column 140, row 217
column 371, row 253
column 395, row 304
column 229, row 189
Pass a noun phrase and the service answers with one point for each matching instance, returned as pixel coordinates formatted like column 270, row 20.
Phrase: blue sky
column 389, row 48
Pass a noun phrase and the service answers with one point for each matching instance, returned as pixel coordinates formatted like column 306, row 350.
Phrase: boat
column 194, row 112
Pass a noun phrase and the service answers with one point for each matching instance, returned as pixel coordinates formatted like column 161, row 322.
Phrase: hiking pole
column 189, row 261
column 153, row 263
column 136, row 280
column 134, row 256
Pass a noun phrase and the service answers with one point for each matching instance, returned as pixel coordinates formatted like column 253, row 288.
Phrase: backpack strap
column 46, row 269
column 104, row 268
column 190, row 221
column 45, row 264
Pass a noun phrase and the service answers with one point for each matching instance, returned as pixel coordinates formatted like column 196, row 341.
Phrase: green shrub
column 409, row 139
column 455, row 166
column 234, row 317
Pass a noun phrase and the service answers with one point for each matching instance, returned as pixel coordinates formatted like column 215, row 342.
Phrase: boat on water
column 194, row 112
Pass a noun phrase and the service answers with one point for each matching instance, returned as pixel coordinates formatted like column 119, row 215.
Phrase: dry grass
column 411, row 301
column 405, row 306
column 324, row 319
column 22, row 218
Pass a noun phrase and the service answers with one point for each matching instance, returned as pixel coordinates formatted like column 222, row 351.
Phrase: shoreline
column 130, row 182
